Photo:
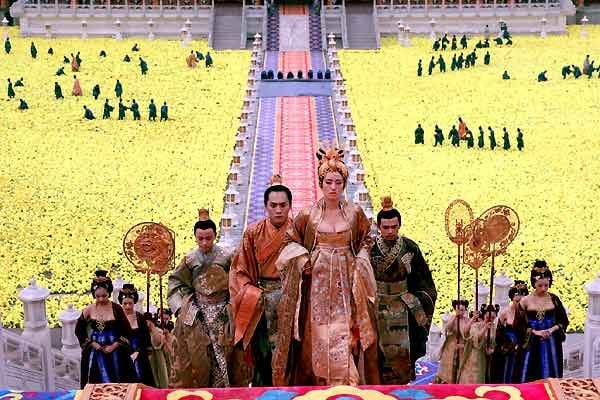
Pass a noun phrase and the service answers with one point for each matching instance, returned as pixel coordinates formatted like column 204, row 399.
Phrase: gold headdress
column 203, row 214
column 386, row 203
column 276, row 180
column 331, row 160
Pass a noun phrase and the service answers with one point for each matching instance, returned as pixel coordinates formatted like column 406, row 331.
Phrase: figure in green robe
column 151, row 111
column 463, row 41
column 454, row 64
column 58, row 91
column 143, row 66
column 107, row 110
column 7, row 46
column 11, row 91
column 164, row 112
column 591, row 70
column 480, row 139
column 135, row 47
column 88, row 114
column 122, row 109
column 78, row 59
column 420, row 68
column 60, row 71
column 50, row 51
column 505, row 76
column 576, row 71
column 126, row 58
column 19, row 82
column 486, row 58
column 406, row 297
column 436, row 45
column 23, row 105
column 33, row 50
column 118, row 89
column 473, row 58
column 565, row 71
column 438, row 136
column 96, row 91
column 506, row 139
column 66, row 60
column 199, row 55
column 459, row 61
column 419, row 135
column 470, row 140
column 441, row 63
column 453, row 45
column 208, row 61
column 102, row 53
column 453, row 136
column 431, row 65
column 135, row 110
column 520, row 143
column 492, row 138
column 542, row 77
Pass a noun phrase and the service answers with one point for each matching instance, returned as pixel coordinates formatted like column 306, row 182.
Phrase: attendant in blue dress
column 507, row 354
column 140, row 335
column 543, row 325
column 103, row 332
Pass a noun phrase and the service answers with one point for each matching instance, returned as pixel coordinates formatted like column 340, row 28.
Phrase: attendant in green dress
column 162, row 339
column 135, row 110
column 419, row 135
column 96, row 91
column 107, row 110
column 520, row 143
column 7, row 46
column 33, row 50
column 506, row 139
column 88, row 114
column 492, row 138
column 19, row 82
column 470, row 141
column 23, row 105
column 122, row 109
column 58, row 91
column 479, row 346
column 451, row 352
column 118, row 89
column 151, row 111
column 11, row 91
column 480, row 139
column 143, row 66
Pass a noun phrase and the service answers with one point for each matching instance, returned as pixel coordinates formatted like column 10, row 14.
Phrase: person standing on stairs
column 324, row 327
column 255, row 288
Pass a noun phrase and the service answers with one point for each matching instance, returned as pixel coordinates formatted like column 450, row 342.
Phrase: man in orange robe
column 255, row 287
column 462, row 129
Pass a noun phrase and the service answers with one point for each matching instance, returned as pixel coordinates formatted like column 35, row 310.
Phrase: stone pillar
column 117, row 286
column 501, row 287
column 35, row 319
column 482, row 295
column 36, row 328
column 434, row 342
column 591, row 337
column 68, row 319
column 3, row 380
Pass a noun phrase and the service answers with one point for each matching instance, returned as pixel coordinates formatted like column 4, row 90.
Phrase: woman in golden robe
column 452, row 350
column 328, row 288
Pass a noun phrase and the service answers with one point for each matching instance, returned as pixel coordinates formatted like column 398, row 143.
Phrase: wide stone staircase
column 227, row 26
column 360, row 26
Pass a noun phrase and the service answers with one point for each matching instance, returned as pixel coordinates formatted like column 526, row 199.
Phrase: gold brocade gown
column 326, row 349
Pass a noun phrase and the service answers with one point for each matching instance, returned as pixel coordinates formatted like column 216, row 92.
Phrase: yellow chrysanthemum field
column 553, row 184
column 70, row 188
